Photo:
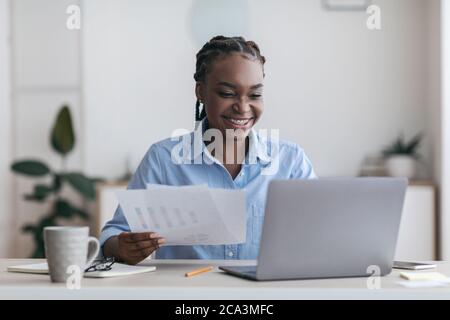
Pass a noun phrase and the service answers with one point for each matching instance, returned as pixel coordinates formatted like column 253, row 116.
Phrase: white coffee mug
column 66, row 248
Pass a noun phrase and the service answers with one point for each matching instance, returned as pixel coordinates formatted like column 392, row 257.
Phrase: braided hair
column 220, row 46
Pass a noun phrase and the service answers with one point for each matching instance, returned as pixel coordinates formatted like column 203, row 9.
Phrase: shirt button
column 230, row 254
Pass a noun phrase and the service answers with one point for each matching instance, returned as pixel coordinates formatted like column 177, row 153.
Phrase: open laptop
column 324, row 228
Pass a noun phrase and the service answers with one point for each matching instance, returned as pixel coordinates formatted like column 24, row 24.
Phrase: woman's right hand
column 133, row 247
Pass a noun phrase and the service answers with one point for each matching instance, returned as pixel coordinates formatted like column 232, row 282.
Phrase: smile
column 238, row 122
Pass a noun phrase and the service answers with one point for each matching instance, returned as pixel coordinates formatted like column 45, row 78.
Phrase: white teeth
column 239, row 122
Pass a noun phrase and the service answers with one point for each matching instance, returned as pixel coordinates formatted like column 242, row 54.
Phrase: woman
column 229, row 85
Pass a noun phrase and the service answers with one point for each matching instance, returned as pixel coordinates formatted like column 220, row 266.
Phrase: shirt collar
column 258, row 147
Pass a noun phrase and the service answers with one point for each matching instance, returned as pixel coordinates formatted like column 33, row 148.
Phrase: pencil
column 198, row 271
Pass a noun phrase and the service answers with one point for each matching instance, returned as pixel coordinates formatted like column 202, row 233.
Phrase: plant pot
column 401, row 166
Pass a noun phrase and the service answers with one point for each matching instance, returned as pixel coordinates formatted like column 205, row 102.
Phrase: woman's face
column 233, row 94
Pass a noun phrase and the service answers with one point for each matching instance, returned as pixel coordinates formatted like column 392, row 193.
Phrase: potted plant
column 62, row 140
column 401, row 156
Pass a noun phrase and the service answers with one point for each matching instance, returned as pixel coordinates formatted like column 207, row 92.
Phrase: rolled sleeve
column 110, row 231
column 148, row 172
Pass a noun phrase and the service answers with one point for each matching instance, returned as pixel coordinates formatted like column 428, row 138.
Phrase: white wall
column 5, row 129
column 138, row 71
column 445, row 121
column 333, row 86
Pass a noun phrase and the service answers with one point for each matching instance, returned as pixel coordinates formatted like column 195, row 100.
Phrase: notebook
column 117, row 270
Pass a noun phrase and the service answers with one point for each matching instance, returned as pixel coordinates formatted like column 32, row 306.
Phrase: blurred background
column 343, row 90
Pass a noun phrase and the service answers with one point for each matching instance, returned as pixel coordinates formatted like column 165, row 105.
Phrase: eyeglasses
column 101, row 265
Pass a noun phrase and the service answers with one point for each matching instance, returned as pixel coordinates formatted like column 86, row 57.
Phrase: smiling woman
column 243, row 56
column 229, row 81
column 229, row 86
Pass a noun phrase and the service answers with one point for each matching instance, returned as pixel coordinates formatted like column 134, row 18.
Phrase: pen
column 198, row 271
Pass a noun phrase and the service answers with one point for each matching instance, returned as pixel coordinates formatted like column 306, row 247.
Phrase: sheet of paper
column 231, row 205
column 420, row 279
column 185, row 215
column 229, row 202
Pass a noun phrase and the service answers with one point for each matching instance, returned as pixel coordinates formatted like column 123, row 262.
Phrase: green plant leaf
column 42, row 190
column 82, row 184
column 412, row 146
column 56, row 182
column 63, row 209
column 63, row 136
column 40, row 193
column 401, row 146
column 33, row 197
column 28, row 228
column 47, row 221
column 31, row 168
column 81, row 213
column 39, row 250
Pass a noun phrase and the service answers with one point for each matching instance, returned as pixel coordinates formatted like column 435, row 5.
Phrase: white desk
column 169, row 282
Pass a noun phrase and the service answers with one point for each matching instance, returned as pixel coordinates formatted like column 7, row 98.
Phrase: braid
column 220, row 46
column 199, row 116
column 197, row 112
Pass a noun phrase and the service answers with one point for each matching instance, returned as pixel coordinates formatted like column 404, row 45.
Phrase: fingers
column 138, row 236
column 133, row 246
column 143, row 253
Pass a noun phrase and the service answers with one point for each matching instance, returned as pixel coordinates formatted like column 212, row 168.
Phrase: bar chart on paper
column 186, row 215
column 170, row 218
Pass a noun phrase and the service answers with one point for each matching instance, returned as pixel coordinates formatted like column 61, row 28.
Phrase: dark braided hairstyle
column 220, row 46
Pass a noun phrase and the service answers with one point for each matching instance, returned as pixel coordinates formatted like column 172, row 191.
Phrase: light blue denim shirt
column 272, row 159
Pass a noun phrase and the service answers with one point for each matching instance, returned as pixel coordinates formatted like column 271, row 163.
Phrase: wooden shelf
column 429, row 183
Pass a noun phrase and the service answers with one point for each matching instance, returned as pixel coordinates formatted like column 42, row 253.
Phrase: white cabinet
column 417, row 236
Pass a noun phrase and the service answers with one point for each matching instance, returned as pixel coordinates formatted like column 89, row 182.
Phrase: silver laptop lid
column 334, row 227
